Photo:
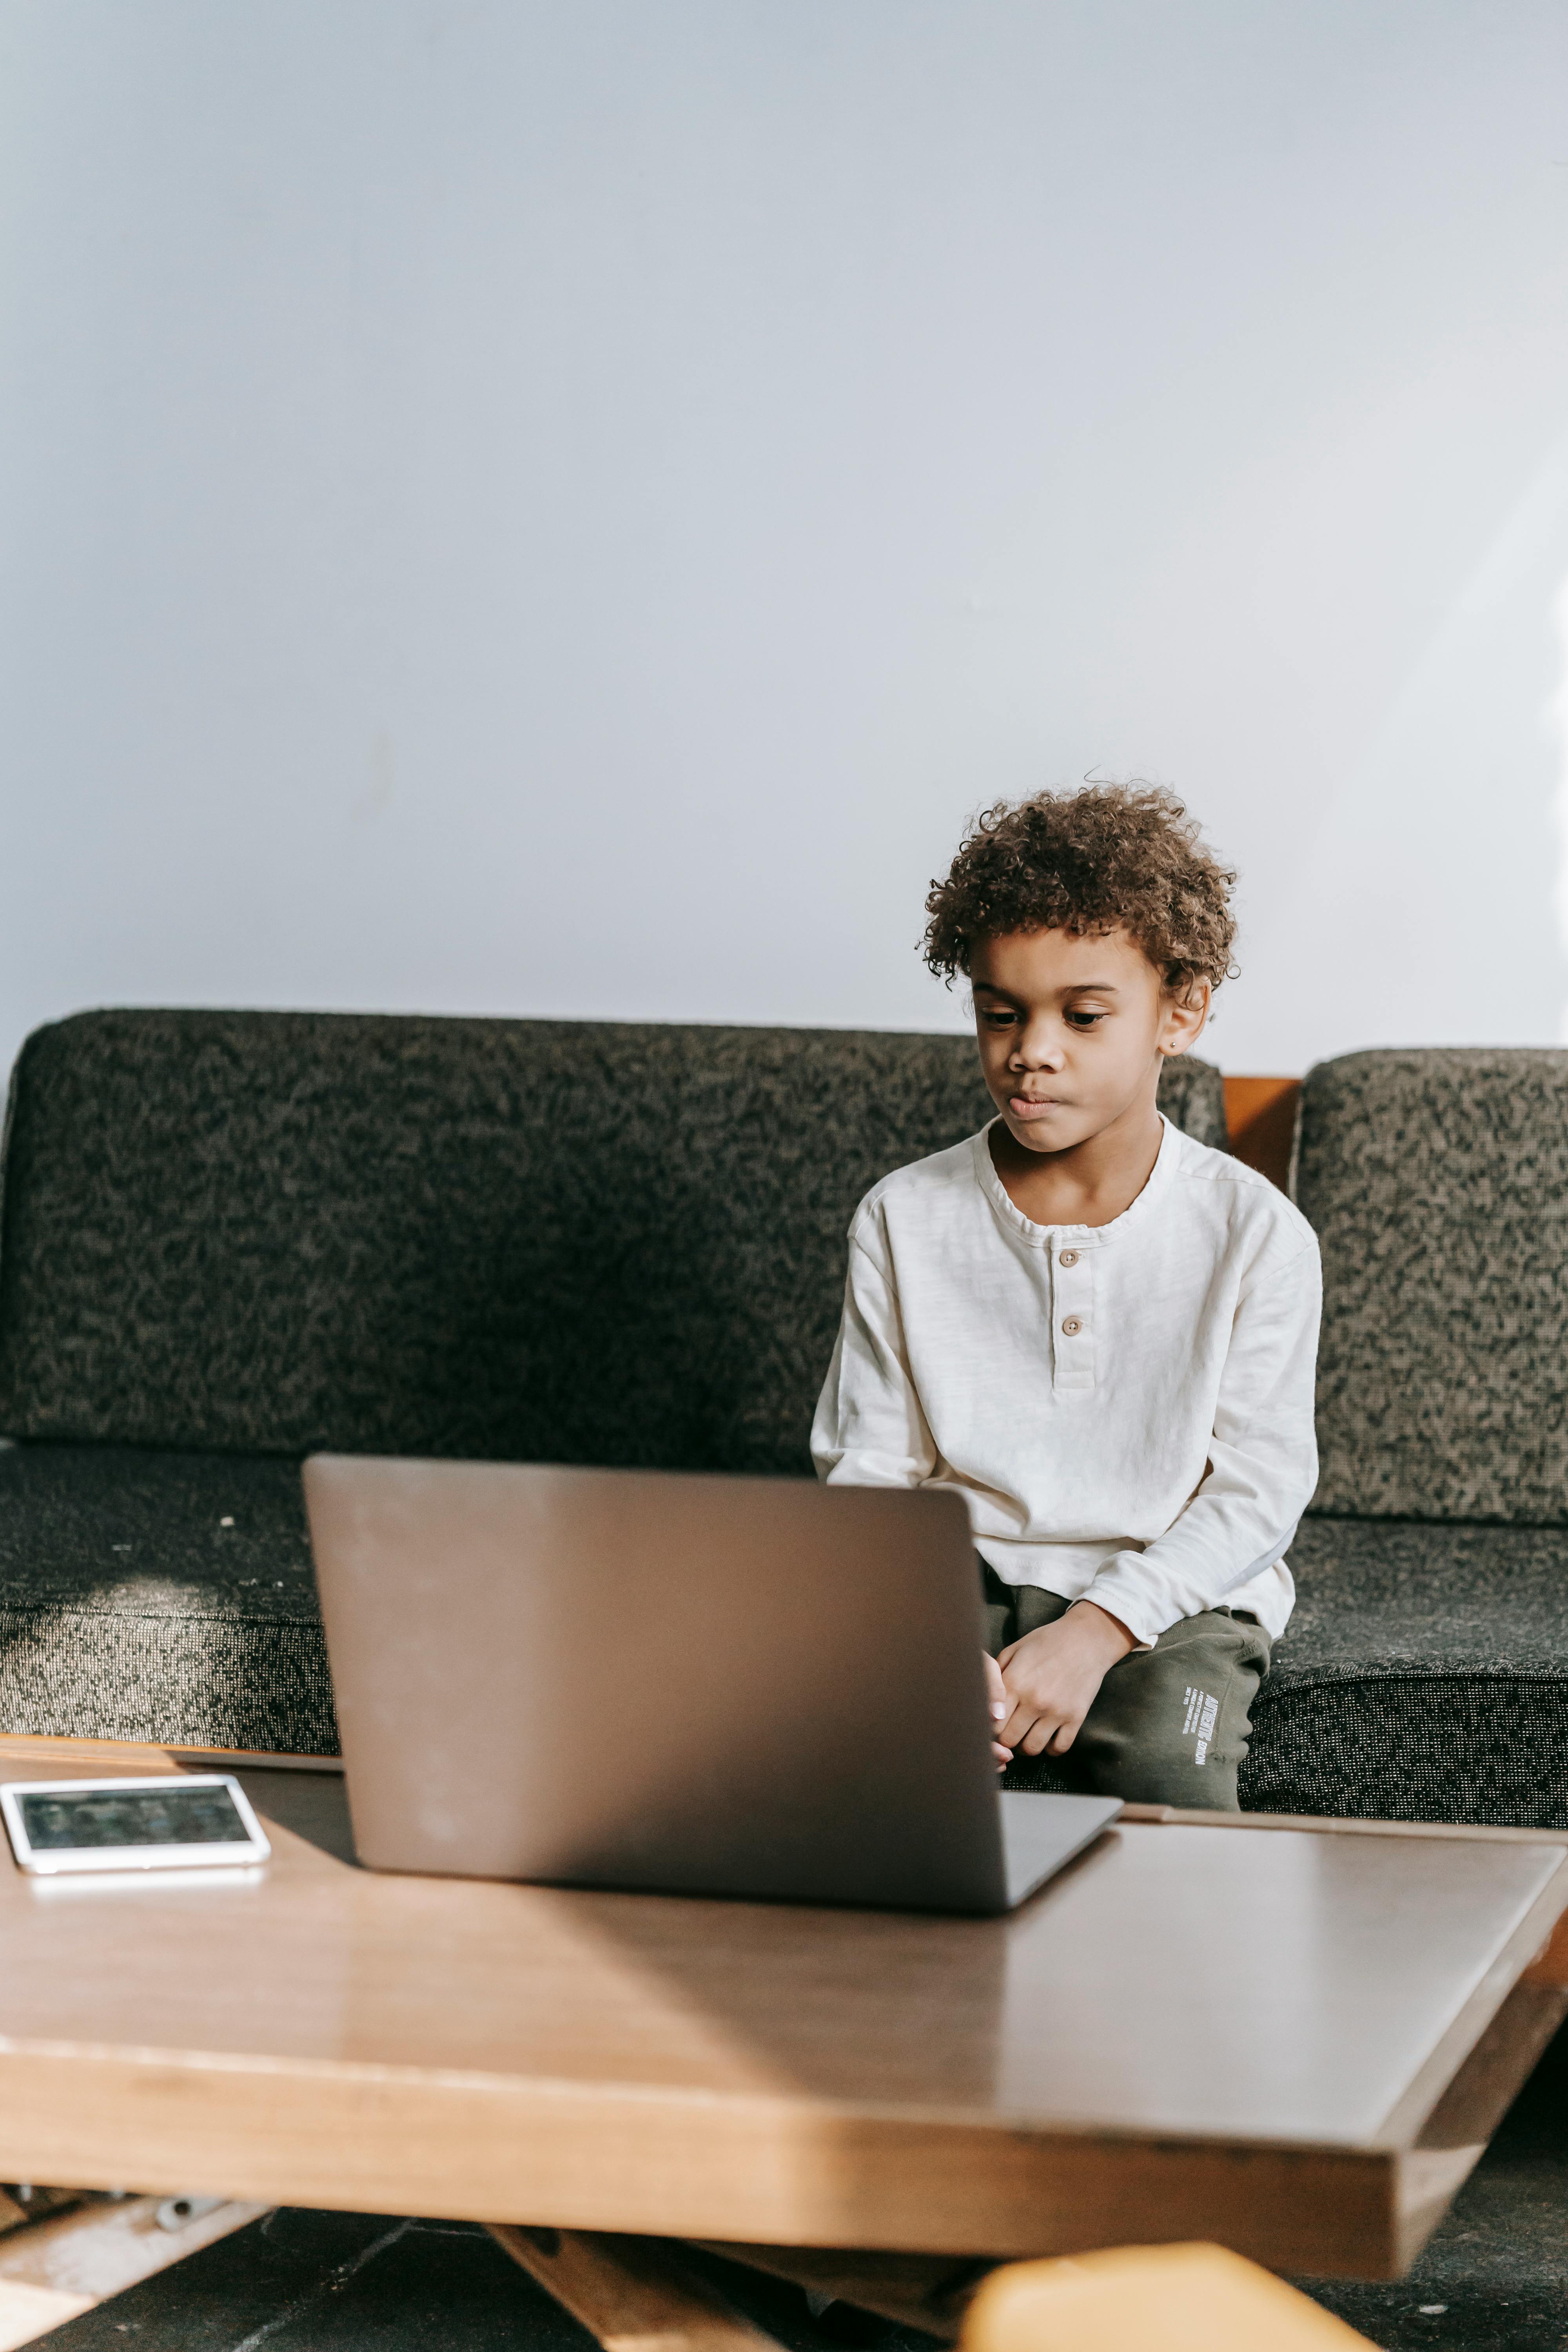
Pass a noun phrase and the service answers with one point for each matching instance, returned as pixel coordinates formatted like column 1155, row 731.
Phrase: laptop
column 670, row 1680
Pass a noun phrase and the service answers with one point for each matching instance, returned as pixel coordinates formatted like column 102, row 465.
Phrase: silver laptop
column 651, row 1679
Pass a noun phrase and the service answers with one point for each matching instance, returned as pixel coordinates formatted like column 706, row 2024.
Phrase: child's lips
column 1035, row 1105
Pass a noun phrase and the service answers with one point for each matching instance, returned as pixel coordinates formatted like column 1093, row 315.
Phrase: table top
column 1196, row 2021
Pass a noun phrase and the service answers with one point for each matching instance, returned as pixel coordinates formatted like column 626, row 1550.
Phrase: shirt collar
column 1083, row 1236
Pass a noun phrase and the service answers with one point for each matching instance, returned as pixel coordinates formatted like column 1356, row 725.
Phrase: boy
column 1098, row 1332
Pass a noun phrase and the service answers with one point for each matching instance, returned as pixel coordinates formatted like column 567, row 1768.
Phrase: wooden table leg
column 634, row 2293
column 631, row 2292
column 930, row 2292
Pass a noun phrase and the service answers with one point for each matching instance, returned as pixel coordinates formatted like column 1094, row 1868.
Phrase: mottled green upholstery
column 230, row 1238
column 1425, row 1674
column 151, row 1595
column 1438, row 1182
column 1423, row 1677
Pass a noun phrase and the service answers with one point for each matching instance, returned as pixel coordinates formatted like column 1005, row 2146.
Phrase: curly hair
column 1103, row 858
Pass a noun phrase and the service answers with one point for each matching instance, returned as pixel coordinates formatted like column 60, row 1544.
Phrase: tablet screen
column 115, row 1817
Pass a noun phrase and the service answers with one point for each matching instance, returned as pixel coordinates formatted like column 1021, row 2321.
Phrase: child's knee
column 1171, row 1724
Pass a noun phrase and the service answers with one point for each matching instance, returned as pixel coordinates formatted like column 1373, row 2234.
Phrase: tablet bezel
column 53, row 1862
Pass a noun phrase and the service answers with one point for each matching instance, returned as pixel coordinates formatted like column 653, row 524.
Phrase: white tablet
column 171, row 1821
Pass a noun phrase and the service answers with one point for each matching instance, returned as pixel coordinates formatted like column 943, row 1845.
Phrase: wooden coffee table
column 1294, row 2037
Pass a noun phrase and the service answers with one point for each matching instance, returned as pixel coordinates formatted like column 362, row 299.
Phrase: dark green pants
column 1170, row 1725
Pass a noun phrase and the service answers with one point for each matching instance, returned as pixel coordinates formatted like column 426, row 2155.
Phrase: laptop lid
column 658, row 1679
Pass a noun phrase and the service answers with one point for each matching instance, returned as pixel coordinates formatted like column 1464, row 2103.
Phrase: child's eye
column 1085, row 1020
column 998, row 1020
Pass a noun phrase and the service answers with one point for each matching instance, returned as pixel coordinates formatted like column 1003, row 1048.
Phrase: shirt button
column 1069, row 1257
column 1072, row 1327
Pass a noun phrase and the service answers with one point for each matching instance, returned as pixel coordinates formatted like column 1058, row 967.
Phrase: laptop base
column 1041, row 1833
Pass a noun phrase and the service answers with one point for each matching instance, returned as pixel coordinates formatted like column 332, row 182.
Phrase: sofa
column 229, row 1239
column 1425, row 1674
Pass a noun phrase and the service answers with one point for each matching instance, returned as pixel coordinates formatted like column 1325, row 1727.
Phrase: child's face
column 1072, row 1032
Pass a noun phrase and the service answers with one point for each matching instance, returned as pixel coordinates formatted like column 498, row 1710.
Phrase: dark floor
column 303, row 2282
column 1494, row 2279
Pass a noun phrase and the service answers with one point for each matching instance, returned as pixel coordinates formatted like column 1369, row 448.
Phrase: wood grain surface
column 632, row 2294
column 1261, row 1114
column 1197, row 2031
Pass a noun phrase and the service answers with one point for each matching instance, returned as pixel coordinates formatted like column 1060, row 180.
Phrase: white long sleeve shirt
column 1126, row 1409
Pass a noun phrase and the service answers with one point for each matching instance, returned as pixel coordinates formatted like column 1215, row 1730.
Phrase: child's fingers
column 1052, row 1733
column 1014, row 1727
column 1027, row 1727
column 1058, row 1735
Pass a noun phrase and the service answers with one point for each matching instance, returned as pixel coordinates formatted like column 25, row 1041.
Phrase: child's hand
column 1051, row 1678
column 1001, row 1707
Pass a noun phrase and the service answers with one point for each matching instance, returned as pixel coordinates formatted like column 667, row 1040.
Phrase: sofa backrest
column 1437, row 1181
column 531, row 1240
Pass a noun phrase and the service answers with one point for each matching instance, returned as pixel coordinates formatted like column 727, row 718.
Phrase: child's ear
column 1183, row 1017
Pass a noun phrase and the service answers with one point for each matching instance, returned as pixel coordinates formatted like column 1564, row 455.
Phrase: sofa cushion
column 1423, row 1677
column 1437, row 1181
column 157, row 1596
column 526, row 1240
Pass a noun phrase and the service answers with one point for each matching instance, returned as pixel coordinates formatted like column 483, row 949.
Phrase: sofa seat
column 1424, row 1676
column 162, row 1596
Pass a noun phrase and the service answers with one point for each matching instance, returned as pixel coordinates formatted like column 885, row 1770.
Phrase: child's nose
column 1040, row 1048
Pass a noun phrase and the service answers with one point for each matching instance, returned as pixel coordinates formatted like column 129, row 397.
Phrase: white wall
column 562, row 506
